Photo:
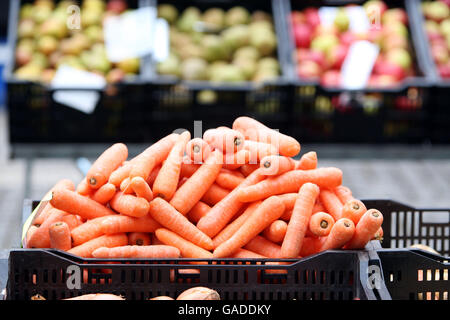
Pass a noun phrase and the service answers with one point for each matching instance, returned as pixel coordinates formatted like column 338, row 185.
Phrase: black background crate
column 174, row 99
column 391, row 115
column 439, row 123
column 35, row 117
column 331, row 275
column 414, row 274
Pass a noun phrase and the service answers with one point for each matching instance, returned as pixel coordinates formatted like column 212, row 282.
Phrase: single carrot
column 59, row 234
column 41, row 237
column 83, row 188
column 320, row 224
column 331, row 203
column 289, row 199
column 225, row 139
column 379, row 234
column 274, row 165
column 290, row 182
column 248, row 168
column 173, row 220
column 365, row 230
column 130, row 251
column 198, row 150
column 270, row 210
column 141, row 188
column 198, row 184
column 104, row 194
column 224, row 210
column 233, row 161
column 276, row 231
column 125, row 186
column 85, row 250
column 298, row 224
column 229, row 179
column 142, row 166
column 139, row 239
column 258, row 150
column 72, row 220
column 199, row 210
column 227, row 232
column 214, row 194
column 264, row 247
column 152, row 176
column 343, row 193
column 94, row 228
column 117, row 176
column 353, row 210
column 188, row 167
column 340, row 234
column 74, row 203
column 255, row 130
column 166, row 182
column 187, row 248
column 312, row 245
column 129, row 205
column 307, row 162
column 105, row 164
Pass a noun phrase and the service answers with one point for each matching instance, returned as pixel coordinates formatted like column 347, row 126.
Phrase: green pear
column 168, row 12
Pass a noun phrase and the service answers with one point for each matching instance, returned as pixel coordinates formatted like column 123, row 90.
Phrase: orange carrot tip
column 198, row 150
column 225, row 139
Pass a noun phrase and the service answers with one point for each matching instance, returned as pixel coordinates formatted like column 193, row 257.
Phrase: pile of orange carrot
column 238, row 192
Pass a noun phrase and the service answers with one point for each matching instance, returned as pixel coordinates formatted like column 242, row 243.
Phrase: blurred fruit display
column 220, row 45
column 46, row 41
column 321, row 49
column 437, row 29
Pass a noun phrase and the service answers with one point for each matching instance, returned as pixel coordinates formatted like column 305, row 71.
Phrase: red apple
column 297, row 17
column 382, row 67
column 347, row 38
column 394, row 41
column 116, row 6
column 312, row 55
column 439, row 53
column 331, row 79
column 444, row 70
column 312, row 16
column 303, row 35
column 336, row 56
column 308, row 69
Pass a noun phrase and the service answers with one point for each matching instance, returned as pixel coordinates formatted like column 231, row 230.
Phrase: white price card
column 161, row 40
column 358, row 64
column 67, row 77
column 129, row 35
column 327, row 15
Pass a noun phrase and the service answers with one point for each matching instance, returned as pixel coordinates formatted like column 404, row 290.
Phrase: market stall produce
column 46, row 40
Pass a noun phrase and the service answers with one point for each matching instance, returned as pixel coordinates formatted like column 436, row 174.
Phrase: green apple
column 168, row 12
column 444, row 27
column 324, row 42
column 400, row 57
column 342, row 21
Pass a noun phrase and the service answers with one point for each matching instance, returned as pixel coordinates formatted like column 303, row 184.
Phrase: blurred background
column 362, row 83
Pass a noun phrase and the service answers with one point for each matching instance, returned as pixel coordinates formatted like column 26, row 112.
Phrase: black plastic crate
column 331, row 275
column 35, row 117
column 378, row 115
column 440, row 110
column 215, row 104
column 414, row 274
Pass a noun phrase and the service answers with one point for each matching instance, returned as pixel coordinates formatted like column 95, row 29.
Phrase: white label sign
column 69, row 78
column 129, row 35
column 161, row 40
column 358, row 64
